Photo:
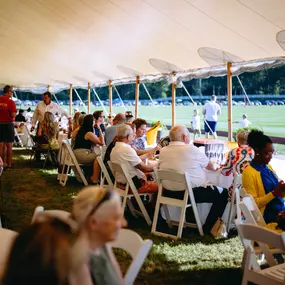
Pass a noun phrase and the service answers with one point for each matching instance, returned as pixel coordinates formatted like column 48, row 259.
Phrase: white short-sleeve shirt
column 181, row 157
column 196, row 122
column 124, row 153
column 212, row 110
column 244, row 123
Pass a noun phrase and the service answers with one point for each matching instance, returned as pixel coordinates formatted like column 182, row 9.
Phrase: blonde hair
column 76, row 120
column 242, row 137
column 49, row 127
column 88, row 199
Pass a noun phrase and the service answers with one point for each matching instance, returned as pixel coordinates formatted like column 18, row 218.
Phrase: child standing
column 195, row 124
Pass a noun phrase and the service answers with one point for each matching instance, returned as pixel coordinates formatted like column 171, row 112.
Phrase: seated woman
column 73, row 124
column 85, row 140
column 48, row 132
column 99, row 216
column 238, row 158
column 139, row 142
column 47, row 253
column 260, row 180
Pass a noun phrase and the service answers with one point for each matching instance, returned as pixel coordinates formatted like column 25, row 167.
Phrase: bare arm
column 40, row 130
column 144, row 168
column 210, row 166
column 94, row 139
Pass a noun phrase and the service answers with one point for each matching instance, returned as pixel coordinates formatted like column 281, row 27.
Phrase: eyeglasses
column 105, row 197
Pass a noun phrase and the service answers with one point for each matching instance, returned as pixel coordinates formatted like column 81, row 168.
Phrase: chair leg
column 124, row 203
column 131, row 207
column 167, row 216
column 155, row 217
column 143, row 209
column 181, row 222
column 231, row 211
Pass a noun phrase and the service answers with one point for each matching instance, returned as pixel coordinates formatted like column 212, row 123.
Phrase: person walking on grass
column 211, row 112
column 8, row 113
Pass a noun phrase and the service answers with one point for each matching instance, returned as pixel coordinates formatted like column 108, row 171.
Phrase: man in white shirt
column 244, row 123
column 124, row 153
column 211, row 112
column 111, row 131
column 180, row 156
column 46, row 106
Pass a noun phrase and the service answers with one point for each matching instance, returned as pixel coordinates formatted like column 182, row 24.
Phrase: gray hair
column 176, row 132
column 123, row 131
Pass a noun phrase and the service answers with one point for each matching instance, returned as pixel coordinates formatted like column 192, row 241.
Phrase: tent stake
column 229, row 87
column 137, row 96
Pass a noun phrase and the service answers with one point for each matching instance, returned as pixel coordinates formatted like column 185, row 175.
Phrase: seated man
column 111, row 131
column 182, row 157
column 124, row 153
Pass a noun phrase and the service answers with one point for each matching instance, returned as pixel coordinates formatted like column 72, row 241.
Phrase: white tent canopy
column 62, row 42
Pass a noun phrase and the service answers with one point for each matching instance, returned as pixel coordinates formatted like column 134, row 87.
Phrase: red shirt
column 7, row 107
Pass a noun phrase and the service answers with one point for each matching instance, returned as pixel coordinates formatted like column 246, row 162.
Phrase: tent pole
column 229, row 87
column 243, row 90
column 137, row 96
column 88, row 97
column 120, row 97
column 70, row 99
column 173, row 101
column 110, row 97
column 48, row 88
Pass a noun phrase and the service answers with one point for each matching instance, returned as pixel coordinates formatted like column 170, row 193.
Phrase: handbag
column 219, row 229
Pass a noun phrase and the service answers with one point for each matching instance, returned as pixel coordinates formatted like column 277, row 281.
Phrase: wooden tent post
column 88, row 97
column 110, row 97
column 173, row 102
column 137, row 96
column 48, row 88
column 70, row 99
column 229, row 87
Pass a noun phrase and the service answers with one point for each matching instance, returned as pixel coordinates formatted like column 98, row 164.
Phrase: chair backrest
column 251, row 234
column 68, row 151
column 251, row 212
column 138, row 248
column 7, row 238
column 60, row 214
column 173, row 176
column 105, row 172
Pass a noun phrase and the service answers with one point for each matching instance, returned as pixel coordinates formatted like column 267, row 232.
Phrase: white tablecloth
column 215, row 178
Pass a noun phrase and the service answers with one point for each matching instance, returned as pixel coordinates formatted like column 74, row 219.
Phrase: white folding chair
column 129, row 192
column 7, row 238
column 63, row 215
column 236, row 185
column 251, row 234
column 138, row 248
column 253, row 216
column 18, row 136
column 69, row 161
column 184, row 180
column 104, row 174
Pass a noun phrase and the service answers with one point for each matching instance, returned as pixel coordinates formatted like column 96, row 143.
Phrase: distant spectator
column 8, row 112
column 244, row 123
column 99, row 121
column 111, row 131
column 195, row 124
column 29, row 115
column 46, row 106
column 211, row 112
column 20, row 117
column 129, row 116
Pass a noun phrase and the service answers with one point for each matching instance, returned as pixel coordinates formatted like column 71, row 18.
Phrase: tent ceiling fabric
column 62, row 42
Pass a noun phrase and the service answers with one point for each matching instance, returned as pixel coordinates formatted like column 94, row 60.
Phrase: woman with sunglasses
column 99, row 216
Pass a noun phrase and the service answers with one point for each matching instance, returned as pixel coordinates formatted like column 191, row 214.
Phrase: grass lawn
column 191, row 260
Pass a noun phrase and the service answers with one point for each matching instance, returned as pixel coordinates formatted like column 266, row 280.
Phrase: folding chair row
column 130, row 191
